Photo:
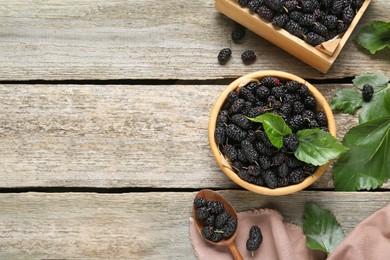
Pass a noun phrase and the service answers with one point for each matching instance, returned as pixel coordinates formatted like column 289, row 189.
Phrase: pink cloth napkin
column 280, row 240
column 370, row 240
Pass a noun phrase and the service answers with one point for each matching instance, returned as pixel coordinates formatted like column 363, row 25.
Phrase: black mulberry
column 367, row 92
column 248, row 57
column 270, row 81
column 224, row 55
column 238, row 33
column 241, row 121
column 308, row 6
column 302, row 19
column 275, row 5
column 330, row 21
column 230, row 152
column 221, row 219
column 270, row 179
column 220, row 135
column 280, row 20
column 313, row 39
column 265, row 13
column 295, row 29
column 291, row 142
column 215, row 207
column 249, row 151
column 254, row 240
column 236, row 133
column 237, row 106
column 296, row 176
column 200, row 202
column 348, row 14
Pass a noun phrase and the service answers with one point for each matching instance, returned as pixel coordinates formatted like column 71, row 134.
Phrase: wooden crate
column 320, row 57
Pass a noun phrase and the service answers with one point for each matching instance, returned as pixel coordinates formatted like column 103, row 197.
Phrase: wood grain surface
column 150, row 225
column 116, row 136
column 57, row 40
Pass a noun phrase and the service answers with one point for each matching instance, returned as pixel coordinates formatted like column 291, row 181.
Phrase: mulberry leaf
column 317, row 147
column 375, row 36
column 347, row 100
column 275, row 127
column 323, row 231
column 367, row 164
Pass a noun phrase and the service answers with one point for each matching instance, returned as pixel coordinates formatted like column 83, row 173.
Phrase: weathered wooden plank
column 115, row 136
column 140, row 225
column 175, row 39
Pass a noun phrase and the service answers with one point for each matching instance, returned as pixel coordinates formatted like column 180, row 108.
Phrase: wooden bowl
column 224, row 164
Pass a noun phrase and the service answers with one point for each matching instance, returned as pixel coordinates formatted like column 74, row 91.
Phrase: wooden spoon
column 211, row 195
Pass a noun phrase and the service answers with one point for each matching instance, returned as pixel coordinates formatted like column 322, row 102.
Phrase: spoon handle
column 234, row 251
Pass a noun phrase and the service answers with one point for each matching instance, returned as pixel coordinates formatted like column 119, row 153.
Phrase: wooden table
column 104, row 108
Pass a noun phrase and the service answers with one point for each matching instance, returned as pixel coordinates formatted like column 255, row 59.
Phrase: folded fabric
column 370, row 240
column 281, row 240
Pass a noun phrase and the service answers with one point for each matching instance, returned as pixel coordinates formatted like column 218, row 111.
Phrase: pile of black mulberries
column 314, row 21
column 245, row 144
column 217, row 223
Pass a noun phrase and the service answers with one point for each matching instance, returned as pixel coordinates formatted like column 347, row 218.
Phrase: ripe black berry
column 238, row 33
column 270, row 179
column 221, row 219
column 215, row 207
column 253, row 5
column 367, row 92
column 243, row 3
column 200, row 202
column 254, row 240
column 236, row 133
column 348, row 14
column 230, row 152
column 202, row 213
column 275, row 5
column 313, row 39
column 309, row 6
column 241, row 121
column 321, row 118
column 249, row 151
column 291, row 142
column 302, row 19
column 224, row 55
column 248, row 57
column 295, row 29
column 296, row 176
column 330, row 21
column 280, row 20
column 270, row 81
column 220, row 135
column 265, row 13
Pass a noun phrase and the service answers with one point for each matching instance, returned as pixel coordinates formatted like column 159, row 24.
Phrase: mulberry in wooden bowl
column 229, row 167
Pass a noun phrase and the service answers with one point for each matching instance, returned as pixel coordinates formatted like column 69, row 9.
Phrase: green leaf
column 347, row 100
column 377, row 80
column 323, row 231
column 274, row 127
column 378, row 107
column 374, row 36
column 367, row 164
column 317, row 146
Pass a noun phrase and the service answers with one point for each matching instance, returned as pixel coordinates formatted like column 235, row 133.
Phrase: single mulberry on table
column 224, row 55
column 248, row 57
